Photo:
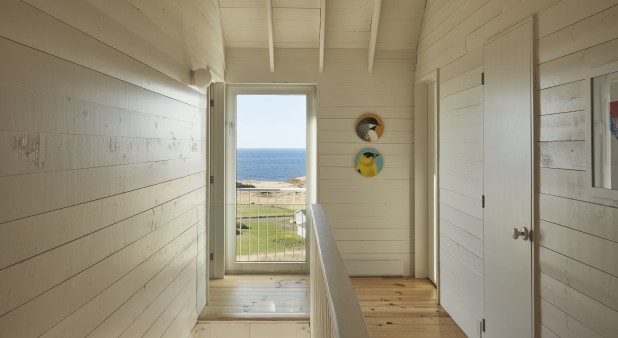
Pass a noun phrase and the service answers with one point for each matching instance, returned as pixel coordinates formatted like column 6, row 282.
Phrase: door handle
column 523, row 233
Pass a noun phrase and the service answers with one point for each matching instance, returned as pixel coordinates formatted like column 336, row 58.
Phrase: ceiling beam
column 322, row 24
column 271, row 41
column 221, row 31
column 373, row 34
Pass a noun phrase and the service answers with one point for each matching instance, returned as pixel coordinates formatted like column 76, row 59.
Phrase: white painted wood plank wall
column 577, row 233
column 102, row 186
column 371, row 217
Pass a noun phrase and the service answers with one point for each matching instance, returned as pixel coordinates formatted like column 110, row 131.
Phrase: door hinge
column 212, row 179
column 483, row 325
column 483, row 78
column 483, row 201
column 212, row 256
column 212, row 103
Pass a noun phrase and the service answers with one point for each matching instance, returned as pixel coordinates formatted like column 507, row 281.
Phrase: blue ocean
column 276, row 165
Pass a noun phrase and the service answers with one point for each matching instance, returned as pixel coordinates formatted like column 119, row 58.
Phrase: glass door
column 270, row 157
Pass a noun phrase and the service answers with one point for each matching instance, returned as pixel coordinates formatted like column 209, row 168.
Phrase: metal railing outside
column 271, row 225
column 335, row 310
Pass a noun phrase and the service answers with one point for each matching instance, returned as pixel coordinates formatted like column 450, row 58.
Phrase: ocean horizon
column 270, row 164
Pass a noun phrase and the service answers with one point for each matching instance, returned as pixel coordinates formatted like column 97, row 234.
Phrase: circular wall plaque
column 369, row 162
column 369, row 127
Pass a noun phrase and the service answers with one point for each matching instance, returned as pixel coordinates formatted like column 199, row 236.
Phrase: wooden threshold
column 258, row 298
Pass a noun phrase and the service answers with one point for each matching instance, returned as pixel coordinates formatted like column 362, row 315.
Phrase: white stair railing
column 335, row 311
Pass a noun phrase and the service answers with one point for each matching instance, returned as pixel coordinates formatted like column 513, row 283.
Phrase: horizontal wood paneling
column 102, row 181
column 590, row 313
column 566, row 12
column 22, row 22
column 591, row 250
column 564, row 98
column 599, row 285
column 586, row 217
column 563, row 127
column 556, row 323
column 589, row 32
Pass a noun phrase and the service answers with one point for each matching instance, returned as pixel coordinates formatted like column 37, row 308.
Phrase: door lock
column 523, row 233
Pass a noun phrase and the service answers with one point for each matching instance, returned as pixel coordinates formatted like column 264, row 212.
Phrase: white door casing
column 432, row 182
column 508, row 183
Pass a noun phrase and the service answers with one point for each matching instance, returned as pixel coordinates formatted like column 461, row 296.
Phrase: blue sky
column 271, row 121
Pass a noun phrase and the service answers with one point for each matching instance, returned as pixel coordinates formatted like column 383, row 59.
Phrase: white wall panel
column 102, row 181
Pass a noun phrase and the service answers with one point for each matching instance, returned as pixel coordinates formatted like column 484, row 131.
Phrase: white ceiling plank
column 345, row 45
column 296, row 14
column 350, row 4
column 343, row 37
column 296, row 31
column 322, row 24
column 271, row 38
column 244, row 25
column 296, row 4
column 296, row 45
column 249, row 13
column 242, row 3
column 245, row 45
column 373, row 35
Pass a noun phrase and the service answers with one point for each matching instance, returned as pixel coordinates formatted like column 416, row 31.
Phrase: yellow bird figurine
column 366, row 165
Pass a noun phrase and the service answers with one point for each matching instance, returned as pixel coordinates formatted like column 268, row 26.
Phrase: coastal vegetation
column 268, row 240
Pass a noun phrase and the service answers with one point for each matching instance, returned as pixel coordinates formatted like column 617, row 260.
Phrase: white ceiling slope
column 176, row 35
column 370, row 24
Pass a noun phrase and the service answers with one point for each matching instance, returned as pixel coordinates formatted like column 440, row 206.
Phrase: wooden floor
column 393, row 307
column 403, row 307
column 258, row 297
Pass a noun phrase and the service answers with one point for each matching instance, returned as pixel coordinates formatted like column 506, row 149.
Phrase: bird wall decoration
column 369, row 127
column 369, row 162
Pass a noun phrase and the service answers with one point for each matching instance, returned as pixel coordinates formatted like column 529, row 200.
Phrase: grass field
column 271, row 241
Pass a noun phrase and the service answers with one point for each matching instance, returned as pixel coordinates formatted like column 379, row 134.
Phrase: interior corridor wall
column 102, row 187
column 370, row 217
column 576, row 237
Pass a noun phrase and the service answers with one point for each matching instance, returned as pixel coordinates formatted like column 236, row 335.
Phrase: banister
column 331, row 288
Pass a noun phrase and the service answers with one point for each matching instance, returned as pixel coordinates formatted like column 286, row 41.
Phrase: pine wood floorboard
column 392, row 307
column 403, row 307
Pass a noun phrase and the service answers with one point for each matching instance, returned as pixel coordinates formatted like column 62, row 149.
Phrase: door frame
column 534, row 169
column 232, row 90
column 421, row 192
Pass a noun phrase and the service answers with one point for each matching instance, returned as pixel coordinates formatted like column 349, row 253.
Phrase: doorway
column 508, row 184
column 270, row 160
column 426, row 198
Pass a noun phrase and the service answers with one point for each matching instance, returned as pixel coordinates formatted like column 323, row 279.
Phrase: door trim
column 421, row 155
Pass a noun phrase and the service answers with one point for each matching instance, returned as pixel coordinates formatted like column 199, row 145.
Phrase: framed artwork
column 369, row 162
column 369, row 127
column 601, row 117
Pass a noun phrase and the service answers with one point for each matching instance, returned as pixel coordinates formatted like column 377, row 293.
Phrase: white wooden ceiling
column 371, row 24
column 194, row 33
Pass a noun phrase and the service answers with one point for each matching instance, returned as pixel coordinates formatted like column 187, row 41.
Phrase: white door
column 508, row 183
